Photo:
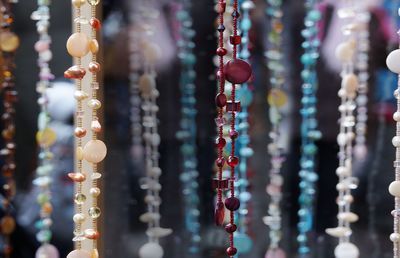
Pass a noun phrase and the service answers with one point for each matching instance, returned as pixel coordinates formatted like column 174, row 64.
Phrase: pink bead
column 48, row 251
column 41, row 46
column 237, row 71
column 275, row 253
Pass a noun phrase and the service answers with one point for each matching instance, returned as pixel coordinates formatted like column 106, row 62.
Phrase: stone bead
column 147, row 84
column 232, row 203
column 78, row 3
column 393, row 61
column 152, row 53
column 237, row 71
column 94, row 151
column 394, row 188
column 151, row 250
column 79, row 254
column 47, row 251
column 9, row 41
column 350, row 84
column 7, row 225
column 347, row 250
column 275, row 253
column 78, row 44
column 46, row 137
column 344, row 52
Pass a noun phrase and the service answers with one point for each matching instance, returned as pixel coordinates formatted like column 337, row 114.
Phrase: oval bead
column 237, row 71
column 79, row 254
column 94, row 151
column 151, row 250
column 344, row 52
column 147, row 84
column 9, row 41
column 394, row 188
column 47, row 251
column 393, row 61
column 78, row 44
column 94, row 46
column 152, row 53
column 347, row 250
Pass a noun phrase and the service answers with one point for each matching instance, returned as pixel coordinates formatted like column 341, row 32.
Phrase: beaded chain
column 243, row 242
column 393, row 64
column 149, row 93
column 188, row 131
column 363, row 19
column 309, row 131
column 45, row 136
column 345, row 53
column 277, row 99
column 94, row 151
column 9, row 43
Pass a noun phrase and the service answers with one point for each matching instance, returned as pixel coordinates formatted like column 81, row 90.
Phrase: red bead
column 221, row 51
column 233, row 161
column 235, row 39
column 219, row 214
column 233, row 134
column 221, row 100
column 220, row 143
column 220, row 74
column 230, row 228
column 231, row 251
column 220, row 162
column 233, row 107
column 221, row 7
column 95, row 23
column 237, row 71
column 75, row 72
column 220, row 184
column 232, row 203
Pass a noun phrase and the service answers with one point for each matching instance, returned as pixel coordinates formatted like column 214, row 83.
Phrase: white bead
column 79, row 254
column 47, row 251
column 79, row 218
column 395, row 237
column 342, row 171
column 394, row 188
column 348, row 217
column 156, row 139
column 350, row 136
column 152, row 53
column 396, row 141
column 341, row 93
column 393, row 61
column 338, row 231
column 94, row 104
column 396, row 116
column 347, row 250
column 344, row 52
column 155, row 171
column 350, row 84
column 348, row 198
column 151, row 250
column 341, row 139
column 80, row 95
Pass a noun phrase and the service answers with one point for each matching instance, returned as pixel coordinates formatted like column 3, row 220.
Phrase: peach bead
column 94, row 151
column 9, row 41
column 78, row 44
column 94, row 46
column 79, row 254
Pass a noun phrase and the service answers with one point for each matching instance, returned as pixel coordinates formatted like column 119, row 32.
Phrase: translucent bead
column 79, row 198
column 46, row 137
column 78, row 44
column 47, row 251
column 94, row 212
column 78, row 3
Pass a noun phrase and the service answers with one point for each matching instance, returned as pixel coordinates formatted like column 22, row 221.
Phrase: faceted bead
column 79, row 254
column 233, row 161
column 80, row 132
column 92, row 234
column 233, row 134
column 221, row 28
column 78, row 44
column 221, row 51
column 93, row 2
column 46, row 137
column 275, row 253
column 237, row 71
column 94, row 46
column 77, row 177
column 232, row 203
column 79, row 198
column 94, row 151
column 220, row 143
column 235, row 39
column 7, row 225
column 221, row 100
column 78, row 3
column 231, row 251
column 94, row 67
column 230, row 228
column 95, row 23
column 75, row 72
column 47, row 251
column 235, row 14
column 221, row 7
column 219, row 214
column 94, row 212
column 220, row 162
column 9, row 41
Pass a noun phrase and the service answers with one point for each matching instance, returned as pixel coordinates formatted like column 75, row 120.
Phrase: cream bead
column 78, row 3
column 395, row 237
column 147, row 84
column 149, row 250
column 79, row 153
column 152, row 53
column 94, row 191
column 94, row 104
column 396, row 116
column 79, row 254
column 350, row 83
column 396, row 141
column 79, row 218
column 78, row 44
column 338, row 231
column 347, row 250
column 341, row 139
column 94, row 151
column 348, row 217
column 344, row 52
column 393, row 61
column 394, row 188
column 80, row 95
column 47, row 251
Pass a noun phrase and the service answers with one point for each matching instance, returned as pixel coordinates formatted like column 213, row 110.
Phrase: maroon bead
column 230, row 228
column 237, row 71
column 220, row 162
column 220, row 184
column 232, row 203
column 233, row 161
column 221, row 100
column 221, row 7
column 233, row 134
column 220, row 143
column 233, row 107
column 220, row 74
column 231, row 251
column 222, row 51
column 219, row 214
column 235, row 39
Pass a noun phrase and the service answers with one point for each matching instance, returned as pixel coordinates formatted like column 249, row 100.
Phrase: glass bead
column 277, row 97
column 46, row 137
column 93, row 2
column 232, row 203
column 219, row 215
column 78, row 3
column 231, row 251
column 235, row 39
column 95, row 23
column 94, row 212
column 233, row 107
column 7, row 225
column 79, row 198
column 237, row 71
column 47, row 251
column 9, row 41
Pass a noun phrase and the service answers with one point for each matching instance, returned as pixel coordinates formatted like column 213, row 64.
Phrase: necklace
column 46, row 136
column 9, row 43
column 277, row 99
column 309, row 131
column 188, row 132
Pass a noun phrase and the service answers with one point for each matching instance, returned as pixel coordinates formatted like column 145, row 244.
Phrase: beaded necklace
column 277, row 99
column 345, row 52
column 309, row 131
column 9, row 43
column 46, row 137
column 188, row 131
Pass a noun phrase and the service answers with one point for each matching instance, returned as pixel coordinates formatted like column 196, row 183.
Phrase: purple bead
column 275, row 253
column 219, row 214
column 237, row 71
column 232, row 203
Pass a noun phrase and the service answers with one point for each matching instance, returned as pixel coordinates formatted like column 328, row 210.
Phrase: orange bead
column 47, row 208
column 80, row 132
column 92, row 234
column 94, row 67
column 95, row 23
column 77, row 177
column 7, row 225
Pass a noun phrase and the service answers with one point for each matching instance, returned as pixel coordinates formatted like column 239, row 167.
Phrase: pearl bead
column 152, row 53
column 79, row 218
column 78, row 3
column 348, row 217
column 151, row 250
column 47, row 251
column 341, row 139
column 344, row 52
column 79, row 254
column 94, row 46
column 396, row 141
column 395, row 237
column 80, row 95
column 94, row 151
column 396, row 116
column 394, row 188
column 78, row 44
column 350, row 84
column 94, row 104
column 393, row 61
column 94, row 191
column 338, row 231
column 9, row 41
column 347, row 250
column 95, row 126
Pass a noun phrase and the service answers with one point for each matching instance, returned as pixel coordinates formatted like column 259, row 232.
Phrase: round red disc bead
column 220, row 142
column 233, row 161
column 221, row 100
column 231, row 251
column 232, row 203
column 230, row 228
column 237, row 71
column 221, row 51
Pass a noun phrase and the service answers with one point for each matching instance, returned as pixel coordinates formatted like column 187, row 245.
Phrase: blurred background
column 123, row 233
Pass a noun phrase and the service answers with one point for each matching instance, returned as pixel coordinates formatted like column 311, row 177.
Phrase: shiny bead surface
column 47, row 251
column 78, row 44
column 237, row 71
column 79, row 254
column 232, row 203
column 94, row 151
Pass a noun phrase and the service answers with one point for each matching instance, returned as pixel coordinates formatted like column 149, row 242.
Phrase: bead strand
column 9, row 43
column 45, row 136
column 277, row 100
